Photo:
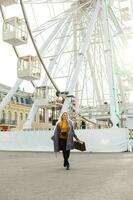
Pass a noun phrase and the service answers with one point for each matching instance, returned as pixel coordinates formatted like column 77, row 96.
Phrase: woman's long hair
column 61, row 119
column 61, row 116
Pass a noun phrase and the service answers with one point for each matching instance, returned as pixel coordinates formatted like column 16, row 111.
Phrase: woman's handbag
column 79, row 145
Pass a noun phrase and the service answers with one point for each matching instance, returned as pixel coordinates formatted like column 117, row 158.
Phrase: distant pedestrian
column 63, row 137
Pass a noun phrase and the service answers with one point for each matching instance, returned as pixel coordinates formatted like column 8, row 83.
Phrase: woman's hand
column 52, row 138
column 78, row 139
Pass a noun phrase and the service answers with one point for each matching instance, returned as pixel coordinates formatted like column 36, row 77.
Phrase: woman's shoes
column 68, row 166
column 65, row 164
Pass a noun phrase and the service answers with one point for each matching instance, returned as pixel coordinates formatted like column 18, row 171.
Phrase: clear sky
column 8, row 61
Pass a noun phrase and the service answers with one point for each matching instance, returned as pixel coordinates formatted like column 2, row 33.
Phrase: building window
column 17, row 100
column 26, row 115
column 0, row 97
column 35, row 118
column 16, row 116
column 3, row 117
column 9, row 116
column 3, row 114
column 22, row 100
column 26, row 100
column 21, row 116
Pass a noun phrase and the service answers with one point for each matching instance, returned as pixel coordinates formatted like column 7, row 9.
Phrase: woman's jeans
column 66, row 153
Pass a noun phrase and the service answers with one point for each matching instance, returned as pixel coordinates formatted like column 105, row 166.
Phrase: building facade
column 16, row 112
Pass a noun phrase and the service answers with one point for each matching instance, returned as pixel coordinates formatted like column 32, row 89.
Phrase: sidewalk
column 41, row 176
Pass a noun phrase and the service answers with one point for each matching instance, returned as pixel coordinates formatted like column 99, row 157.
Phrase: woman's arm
column 56, row 132
column 75, row 136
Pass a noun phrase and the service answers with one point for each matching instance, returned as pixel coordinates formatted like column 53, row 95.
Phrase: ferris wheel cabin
column 14, row 31
column 29, row 68
column 7, row 2
column 44, row 96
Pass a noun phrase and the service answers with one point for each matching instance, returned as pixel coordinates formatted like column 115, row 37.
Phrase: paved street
column 41, row 176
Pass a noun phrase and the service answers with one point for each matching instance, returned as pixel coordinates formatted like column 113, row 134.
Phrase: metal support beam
column 27, row 125
column 84, row 46
column 110, row 65
column 93, row 75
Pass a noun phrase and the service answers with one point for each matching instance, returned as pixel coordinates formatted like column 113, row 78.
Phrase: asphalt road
column 41, row 176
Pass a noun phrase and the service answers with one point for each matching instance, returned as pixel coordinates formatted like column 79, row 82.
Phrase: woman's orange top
column 64, row 129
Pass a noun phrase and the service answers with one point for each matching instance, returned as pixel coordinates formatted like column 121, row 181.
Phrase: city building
column 16, row 112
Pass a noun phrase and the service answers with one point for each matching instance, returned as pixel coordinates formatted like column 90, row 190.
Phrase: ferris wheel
column 83, row 49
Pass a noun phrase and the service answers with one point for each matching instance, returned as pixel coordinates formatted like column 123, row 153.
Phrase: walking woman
column 63, row 137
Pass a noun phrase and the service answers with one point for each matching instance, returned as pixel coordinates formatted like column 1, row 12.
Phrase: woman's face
column 64, row 116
